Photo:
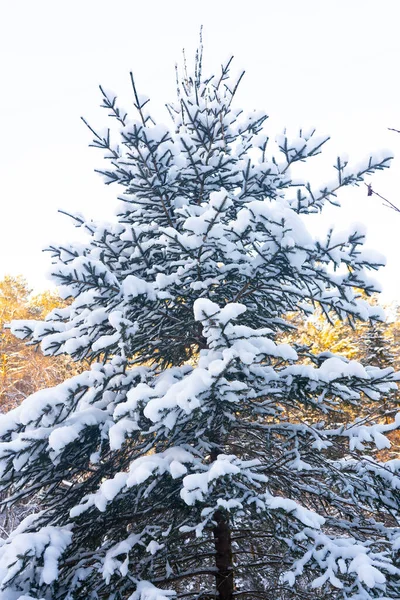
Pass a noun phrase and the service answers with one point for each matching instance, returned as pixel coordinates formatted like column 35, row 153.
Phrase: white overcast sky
column 332, row 64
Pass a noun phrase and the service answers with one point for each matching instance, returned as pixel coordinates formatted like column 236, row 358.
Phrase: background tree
column 371, row 342
column 320, row 335
column 24, row 369
column 181, row 464
column 394, row 334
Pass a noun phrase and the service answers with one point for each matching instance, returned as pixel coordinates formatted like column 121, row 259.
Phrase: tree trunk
column 223, row 558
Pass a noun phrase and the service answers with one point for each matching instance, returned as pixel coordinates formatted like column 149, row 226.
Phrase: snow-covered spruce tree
column 377, row 350
column 376, row 346
column 191, row 460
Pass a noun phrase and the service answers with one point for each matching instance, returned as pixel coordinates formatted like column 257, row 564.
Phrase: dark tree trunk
column 223, row 557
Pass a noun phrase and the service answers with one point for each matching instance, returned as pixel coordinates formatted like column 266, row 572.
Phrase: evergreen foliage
column 376, row 346
column 181, row 464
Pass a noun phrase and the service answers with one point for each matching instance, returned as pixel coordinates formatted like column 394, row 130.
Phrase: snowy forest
column 207, row 409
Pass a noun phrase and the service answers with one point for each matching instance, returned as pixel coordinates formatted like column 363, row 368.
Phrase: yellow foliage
column 24, row 369
column 338, row 338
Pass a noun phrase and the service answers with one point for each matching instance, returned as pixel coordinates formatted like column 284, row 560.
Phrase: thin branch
column 389, row 204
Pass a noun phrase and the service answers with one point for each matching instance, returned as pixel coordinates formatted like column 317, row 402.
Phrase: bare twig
column 389, row 204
